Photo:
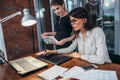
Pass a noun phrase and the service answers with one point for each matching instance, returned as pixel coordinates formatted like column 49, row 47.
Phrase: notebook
column 27, row 64
column 54, row 58
column 52, row 73
column 78, row 73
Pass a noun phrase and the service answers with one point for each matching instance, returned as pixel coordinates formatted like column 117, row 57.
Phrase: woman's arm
column 45, row 52
column 69, row 49
column 59, row 51
column 63, row 41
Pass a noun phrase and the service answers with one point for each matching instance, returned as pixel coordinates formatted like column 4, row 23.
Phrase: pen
column 45, row 51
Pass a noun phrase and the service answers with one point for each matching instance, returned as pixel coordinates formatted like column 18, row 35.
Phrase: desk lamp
column 27, row 20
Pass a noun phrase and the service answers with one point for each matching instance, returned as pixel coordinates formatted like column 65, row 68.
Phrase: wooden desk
column 8, row 73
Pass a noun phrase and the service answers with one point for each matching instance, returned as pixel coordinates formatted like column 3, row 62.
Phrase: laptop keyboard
column 25, row 65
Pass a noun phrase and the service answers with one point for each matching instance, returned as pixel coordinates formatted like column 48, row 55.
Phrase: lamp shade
column 27, row 20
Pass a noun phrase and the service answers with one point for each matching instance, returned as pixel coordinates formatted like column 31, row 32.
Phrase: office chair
column 115, row 58
column 1, row 62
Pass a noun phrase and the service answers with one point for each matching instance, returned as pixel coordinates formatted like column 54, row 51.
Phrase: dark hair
column 81, row 13
column 57, row 2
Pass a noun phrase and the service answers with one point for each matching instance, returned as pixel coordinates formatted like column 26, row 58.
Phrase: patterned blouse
column 93, row 48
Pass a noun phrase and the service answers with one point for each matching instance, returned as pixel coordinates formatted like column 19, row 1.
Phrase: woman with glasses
column 63, row 27
column 90, row 40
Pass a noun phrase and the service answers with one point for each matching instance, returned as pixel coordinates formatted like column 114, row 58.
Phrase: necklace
column 59, row 20
column 64, row 13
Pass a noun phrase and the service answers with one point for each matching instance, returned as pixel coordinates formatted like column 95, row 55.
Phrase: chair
column 1, row 62
column 115, row 58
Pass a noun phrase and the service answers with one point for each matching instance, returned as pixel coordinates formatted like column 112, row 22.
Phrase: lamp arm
column 10, row 16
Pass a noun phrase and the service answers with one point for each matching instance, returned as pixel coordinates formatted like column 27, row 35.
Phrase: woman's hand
column 76, row 55
column 46, row 52
column 40, row 53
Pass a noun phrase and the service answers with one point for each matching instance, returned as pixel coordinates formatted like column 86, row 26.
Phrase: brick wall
column 19, row 40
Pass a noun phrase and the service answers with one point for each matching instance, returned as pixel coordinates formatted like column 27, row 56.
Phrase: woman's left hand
column 76, row 55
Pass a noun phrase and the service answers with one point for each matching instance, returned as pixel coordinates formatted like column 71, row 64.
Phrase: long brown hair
column 81, row 13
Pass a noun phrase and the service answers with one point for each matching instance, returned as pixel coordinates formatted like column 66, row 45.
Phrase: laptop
column 54, row 58
column 27, row 64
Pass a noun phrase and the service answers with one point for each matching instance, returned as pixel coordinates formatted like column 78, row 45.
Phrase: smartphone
column 89, row 67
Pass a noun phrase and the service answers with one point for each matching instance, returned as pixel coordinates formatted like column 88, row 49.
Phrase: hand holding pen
column 46, row 52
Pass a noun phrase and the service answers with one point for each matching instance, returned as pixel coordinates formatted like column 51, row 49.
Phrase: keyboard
column 23, row 63
column 27, row 64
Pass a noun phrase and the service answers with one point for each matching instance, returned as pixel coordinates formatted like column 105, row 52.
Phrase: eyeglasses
column 73, row 21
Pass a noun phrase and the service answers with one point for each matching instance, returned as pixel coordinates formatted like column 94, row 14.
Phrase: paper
column 50, row 39
column 77, row 72
column 52, row 73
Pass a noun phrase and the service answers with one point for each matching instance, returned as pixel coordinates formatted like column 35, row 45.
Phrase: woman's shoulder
column 66, row 16
column 97, row 29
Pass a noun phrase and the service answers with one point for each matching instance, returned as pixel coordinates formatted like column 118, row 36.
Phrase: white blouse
column 93, row 48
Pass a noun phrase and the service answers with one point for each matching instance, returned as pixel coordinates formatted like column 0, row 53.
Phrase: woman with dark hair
column 89, row 40
column 63, row 27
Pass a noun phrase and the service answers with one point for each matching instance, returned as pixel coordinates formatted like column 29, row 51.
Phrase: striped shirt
column 93, row 48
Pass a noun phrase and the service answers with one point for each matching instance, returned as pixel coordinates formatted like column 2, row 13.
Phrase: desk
column 8, row 73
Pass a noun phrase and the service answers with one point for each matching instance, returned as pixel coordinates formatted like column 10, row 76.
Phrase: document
column 77, row 72
column 50, row 40
column 52, row 72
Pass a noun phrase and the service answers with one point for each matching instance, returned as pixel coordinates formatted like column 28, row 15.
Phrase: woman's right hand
column 40, row 53
column 50, row 51
column 46, row 52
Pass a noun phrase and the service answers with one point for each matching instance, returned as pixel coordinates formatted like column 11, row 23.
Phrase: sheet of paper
column 76, row 72
column 52, row 73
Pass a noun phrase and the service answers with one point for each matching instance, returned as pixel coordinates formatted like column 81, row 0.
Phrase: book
column 50, row 40
column 78, row 73
column 52, row 72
